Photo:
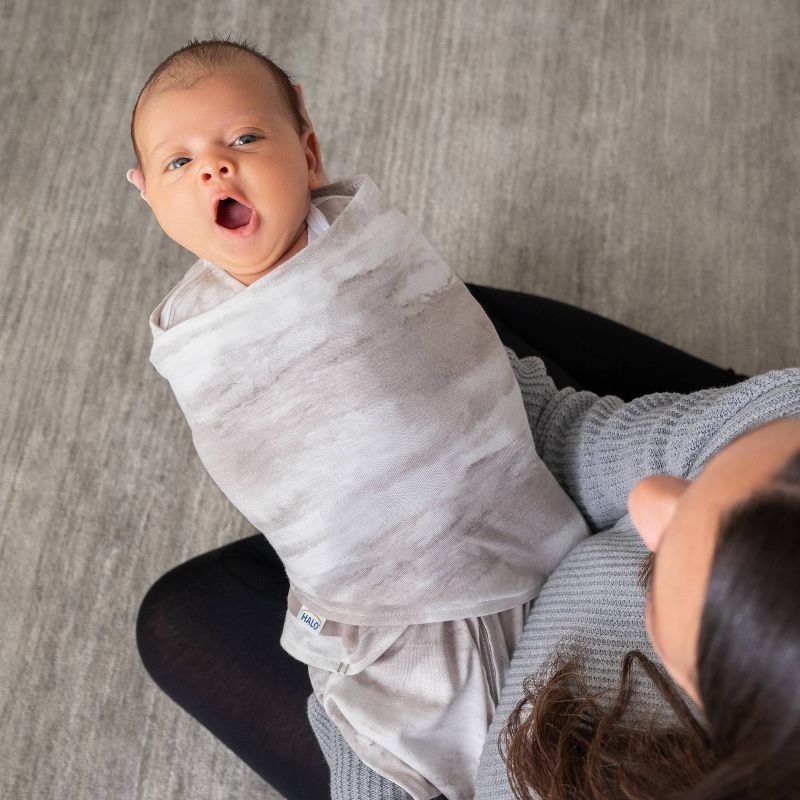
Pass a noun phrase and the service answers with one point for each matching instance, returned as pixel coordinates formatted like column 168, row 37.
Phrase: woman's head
column 684, row 523
column 723, row 614
column 748, row 649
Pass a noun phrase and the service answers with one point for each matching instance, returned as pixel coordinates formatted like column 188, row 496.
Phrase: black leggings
column 208, row 631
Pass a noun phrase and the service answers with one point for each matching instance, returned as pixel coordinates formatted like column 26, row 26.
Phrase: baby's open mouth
column 232, row 214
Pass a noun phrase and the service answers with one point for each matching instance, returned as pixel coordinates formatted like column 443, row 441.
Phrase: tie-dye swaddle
column 356, row 405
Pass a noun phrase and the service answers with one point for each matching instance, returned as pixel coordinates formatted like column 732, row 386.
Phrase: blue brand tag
column 313, row 622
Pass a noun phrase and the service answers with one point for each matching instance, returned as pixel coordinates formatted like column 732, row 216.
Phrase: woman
column 721, row 610
column 208, row 631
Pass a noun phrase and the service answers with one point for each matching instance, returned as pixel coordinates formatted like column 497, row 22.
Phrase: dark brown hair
column 563, row 742
column 203, row 57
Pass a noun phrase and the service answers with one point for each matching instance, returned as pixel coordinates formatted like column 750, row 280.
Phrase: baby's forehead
column 186, row 75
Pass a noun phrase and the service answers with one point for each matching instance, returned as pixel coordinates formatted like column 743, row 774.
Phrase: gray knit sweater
column 597, row 448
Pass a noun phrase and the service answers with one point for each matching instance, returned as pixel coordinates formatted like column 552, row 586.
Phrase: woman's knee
column 166, row 619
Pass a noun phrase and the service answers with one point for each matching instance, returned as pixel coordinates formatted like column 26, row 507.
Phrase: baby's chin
column 249, row 272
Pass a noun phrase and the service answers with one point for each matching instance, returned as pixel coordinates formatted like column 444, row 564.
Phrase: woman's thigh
column 209, row 635
column 587, row 351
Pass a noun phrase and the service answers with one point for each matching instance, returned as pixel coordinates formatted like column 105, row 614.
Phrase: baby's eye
column 245, row 138
column 177, row 163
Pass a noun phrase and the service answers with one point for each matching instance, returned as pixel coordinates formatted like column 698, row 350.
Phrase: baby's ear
column 136, row 177
column 320, row 178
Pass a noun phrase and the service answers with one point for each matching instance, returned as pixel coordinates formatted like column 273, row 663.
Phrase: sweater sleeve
column 599, row 447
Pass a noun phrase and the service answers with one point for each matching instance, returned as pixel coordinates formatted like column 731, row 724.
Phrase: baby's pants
column 413, row 702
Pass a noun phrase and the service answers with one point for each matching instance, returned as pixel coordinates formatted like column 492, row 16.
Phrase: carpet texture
column 637, row 159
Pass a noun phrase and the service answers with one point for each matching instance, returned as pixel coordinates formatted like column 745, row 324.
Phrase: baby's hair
column 204, row 57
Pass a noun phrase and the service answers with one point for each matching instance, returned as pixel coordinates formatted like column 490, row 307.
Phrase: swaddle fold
column 356, row 405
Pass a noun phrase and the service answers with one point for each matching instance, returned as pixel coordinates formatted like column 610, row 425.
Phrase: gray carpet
column 638, row 159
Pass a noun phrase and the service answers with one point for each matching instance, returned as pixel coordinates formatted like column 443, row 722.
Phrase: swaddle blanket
column 356, row 405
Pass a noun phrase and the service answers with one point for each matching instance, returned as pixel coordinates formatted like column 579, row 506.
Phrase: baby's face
column 226, row 172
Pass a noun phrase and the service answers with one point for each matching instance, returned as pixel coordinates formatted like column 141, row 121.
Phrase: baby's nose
column 216, row 168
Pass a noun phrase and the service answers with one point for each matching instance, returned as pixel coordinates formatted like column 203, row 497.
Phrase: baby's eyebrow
column 165, row 145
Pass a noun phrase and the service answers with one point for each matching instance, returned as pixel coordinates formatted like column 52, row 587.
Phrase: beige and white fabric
column 356, row 405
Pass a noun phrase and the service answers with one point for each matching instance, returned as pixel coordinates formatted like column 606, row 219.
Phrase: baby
column 353, row 401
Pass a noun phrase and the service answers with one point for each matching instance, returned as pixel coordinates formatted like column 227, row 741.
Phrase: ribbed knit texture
column 597, row 448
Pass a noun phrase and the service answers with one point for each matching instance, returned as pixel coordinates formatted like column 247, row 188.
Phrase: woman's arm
column 599, row 447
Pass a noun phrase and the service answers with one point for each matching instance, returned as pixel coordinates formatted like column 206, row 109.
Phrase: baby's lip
column 232, row 213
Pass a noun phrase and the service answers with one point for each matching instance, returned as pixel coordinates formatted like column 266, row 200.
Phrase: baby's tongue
column 232, row 214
